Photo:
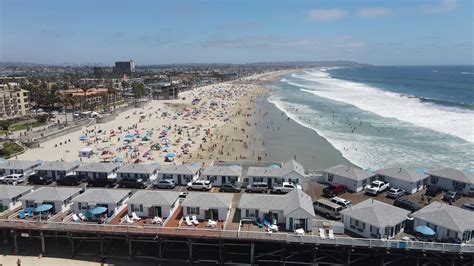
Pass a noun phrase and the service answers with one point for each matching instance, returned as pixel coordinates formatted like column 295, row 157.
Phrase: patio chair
column 135, row 217
column 76, row 218
column 22, row 214
column 266, row 223
column 128, row 220
column 188, row 221
column 273, row 227
column 259, row 223
column 322, row 235
column 82, row 216
column 195, row 220
column 30, row 212
column 331, row 234
column 157, row 220
column 211, row 223
column 299, row 232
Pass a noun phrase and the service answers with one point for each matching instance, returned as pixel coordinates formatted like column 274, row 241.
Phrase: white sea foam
column 467, row 73
column 449, row 120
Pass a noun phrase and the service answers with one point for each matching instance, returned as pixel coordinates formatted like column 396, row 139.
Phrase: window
column 137, row 208
column 330, row 177
column 193, row 210
column 434, row 179
column 364, row 182
column 257, row 179
column 459, row 184
column 212, row 178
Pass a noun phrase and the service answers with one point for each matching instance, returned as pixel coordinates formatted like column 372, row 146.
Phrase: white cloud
column 443, row 7
column 326, row 14
column 374, row 12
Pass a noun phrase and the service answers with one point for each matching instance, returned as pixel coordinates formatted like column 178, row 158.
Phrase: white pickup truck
column 377, row 187
column 285, row 187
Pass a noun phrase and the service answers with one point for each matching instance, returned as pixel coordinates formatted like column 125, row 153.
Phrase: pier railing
column 233, row 234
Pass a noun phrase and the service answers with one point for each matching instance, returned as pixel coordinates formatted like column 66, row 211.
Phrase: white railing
column 233, row 234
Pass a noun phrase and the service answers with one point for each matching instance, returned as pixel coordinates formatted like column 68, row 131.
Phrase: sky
column 402, row 32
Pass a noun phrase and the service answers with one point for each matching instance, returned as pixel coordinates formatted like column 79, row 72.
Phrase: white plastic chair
column 331, row 234
column 188, row 221
column 157, row 220
column 321, row 233
column 128, row 220
column 76, row 218
column 135, row 217
column 195, row 220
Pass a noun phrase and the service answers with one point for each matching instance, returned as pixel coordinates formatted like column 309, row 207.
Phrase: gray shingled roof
column 208, row 200
column 349, row 172
column 447, row 216
column 454, row 174
column 57, row 166
column 185, row 169
column 10, row 192
column 138, row 168
column 219, row 170
column 98, row 167
column 288, row 203
column 402, row 174
column 99, row 195
column 154, row 198
column 51, row 194
column 270, row 171
column 376, row 213
column 18, row 164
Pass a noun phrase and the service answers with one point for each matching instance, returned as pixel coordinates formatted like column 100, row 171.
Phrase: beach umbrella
column 97, row 210
column 425, row 230
column 170, row 155
column 43, row 208
column 274, row 166
column 83, row 137
column 129, row 136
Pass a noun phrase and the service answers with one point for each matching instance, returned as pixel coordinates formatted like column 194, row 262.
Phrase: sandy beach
column 205, row 124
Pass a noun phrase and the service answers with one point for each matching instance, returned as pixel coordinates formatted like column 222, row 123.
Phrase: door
column 223, row 180
column 270, row 182
column 214, row 214
column 157, row 211
column 179, row 180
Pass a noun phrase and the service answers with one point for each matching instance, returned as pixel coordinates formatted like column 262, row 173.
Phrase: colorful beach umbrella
column 170, row 155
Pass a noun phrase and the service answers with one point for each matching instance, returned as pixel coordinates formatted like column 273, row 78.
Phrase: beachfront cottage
column 274, row 175
column 138, row 171
column 9, row 196
column 374, row 219
column 112, row 199
column 98, row 170
column 293, row 210
column 409, row 180
column 56, row 169
column 146, row 203
column 447, row 221
column 18, row 167
column 206, row 206
column 355, row 179
column 221, row 174
column 58, row 197
column 453, row 179
column 180, row 174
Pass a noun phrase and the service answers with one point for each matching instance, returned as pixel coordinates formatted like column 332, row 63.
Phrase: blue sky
column 402, row 32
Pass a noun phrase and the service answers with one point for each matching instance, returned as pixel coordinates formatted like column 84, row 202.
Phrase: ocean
column 386, row 116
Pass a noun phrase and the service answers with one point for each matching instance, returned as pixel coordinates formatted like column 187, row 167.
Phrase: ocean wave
column 420, row 112
column 467, row 73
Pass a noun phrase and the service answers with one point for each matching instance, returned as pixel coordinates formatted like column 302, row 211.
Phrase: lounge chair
column 22, row 214
column 331, row 234
column 266, row 223
column 82, row 216
column 30, row 212
column 76, row 218
column 321, row 233
column 135, row 217
column 128, row 220
column 299, row 232
column 211, row 223
column 273, row 227
column 188, row 221
column 259, row 223
column 157, row 220
column 195, row 220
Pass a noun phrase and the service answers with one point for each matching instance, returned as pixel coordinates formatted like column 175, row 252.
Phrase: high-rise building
column 124, row 67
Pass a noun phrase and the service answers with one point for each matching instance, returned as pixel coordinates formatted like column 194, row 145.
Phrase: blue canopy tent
column 425, row 230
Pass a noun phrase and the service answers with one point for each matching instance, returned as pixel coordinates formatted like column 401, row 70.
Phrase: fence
column 235, row 234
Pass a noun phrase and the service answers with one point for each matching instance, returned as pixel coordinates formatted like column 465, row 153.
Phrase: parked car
column 451, row 196
column 341, row 202
column 39, row 180
column 334, row 189
column 328, row 209
column 230, row 187
column 132, row 183
column 377, row 187
column 406, row 204
column 167, row 183
column 69, row 180
column 257, row 187
column 468, row 206
column 102, row 182
column 199, row 185
column 13, row 178
column 433, row 191
column 285, row 187
column 395, row 193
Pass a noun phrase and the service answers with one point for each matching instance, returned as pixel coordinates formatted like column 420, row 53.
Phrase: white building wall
column 447, row 184
column 351, row 185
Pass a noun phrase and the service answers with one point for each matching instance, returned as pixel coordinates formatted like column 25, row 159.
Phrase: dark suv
column 334, row 189
column 39, row 180
column 132, row 183
column 69, row 180
column 433, row 191
column 407, row 205
column 229, row 187
column 102, row 182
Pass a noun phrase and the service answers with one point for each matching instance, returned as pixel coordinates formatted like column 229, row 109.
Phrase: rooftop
column 233, row 170
column 454, row 174
column 153, row 198
column 51, row 194
column 402, row 174
column 376, row 213
column 208, row 200
column 451, row 217
column 349, row 172
column 9, row 192
column 187, row 169
column 98, row 195
column 138, row 168
column 19, row 164
column 272, row 171
column 98, row 167
column 58, row 166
